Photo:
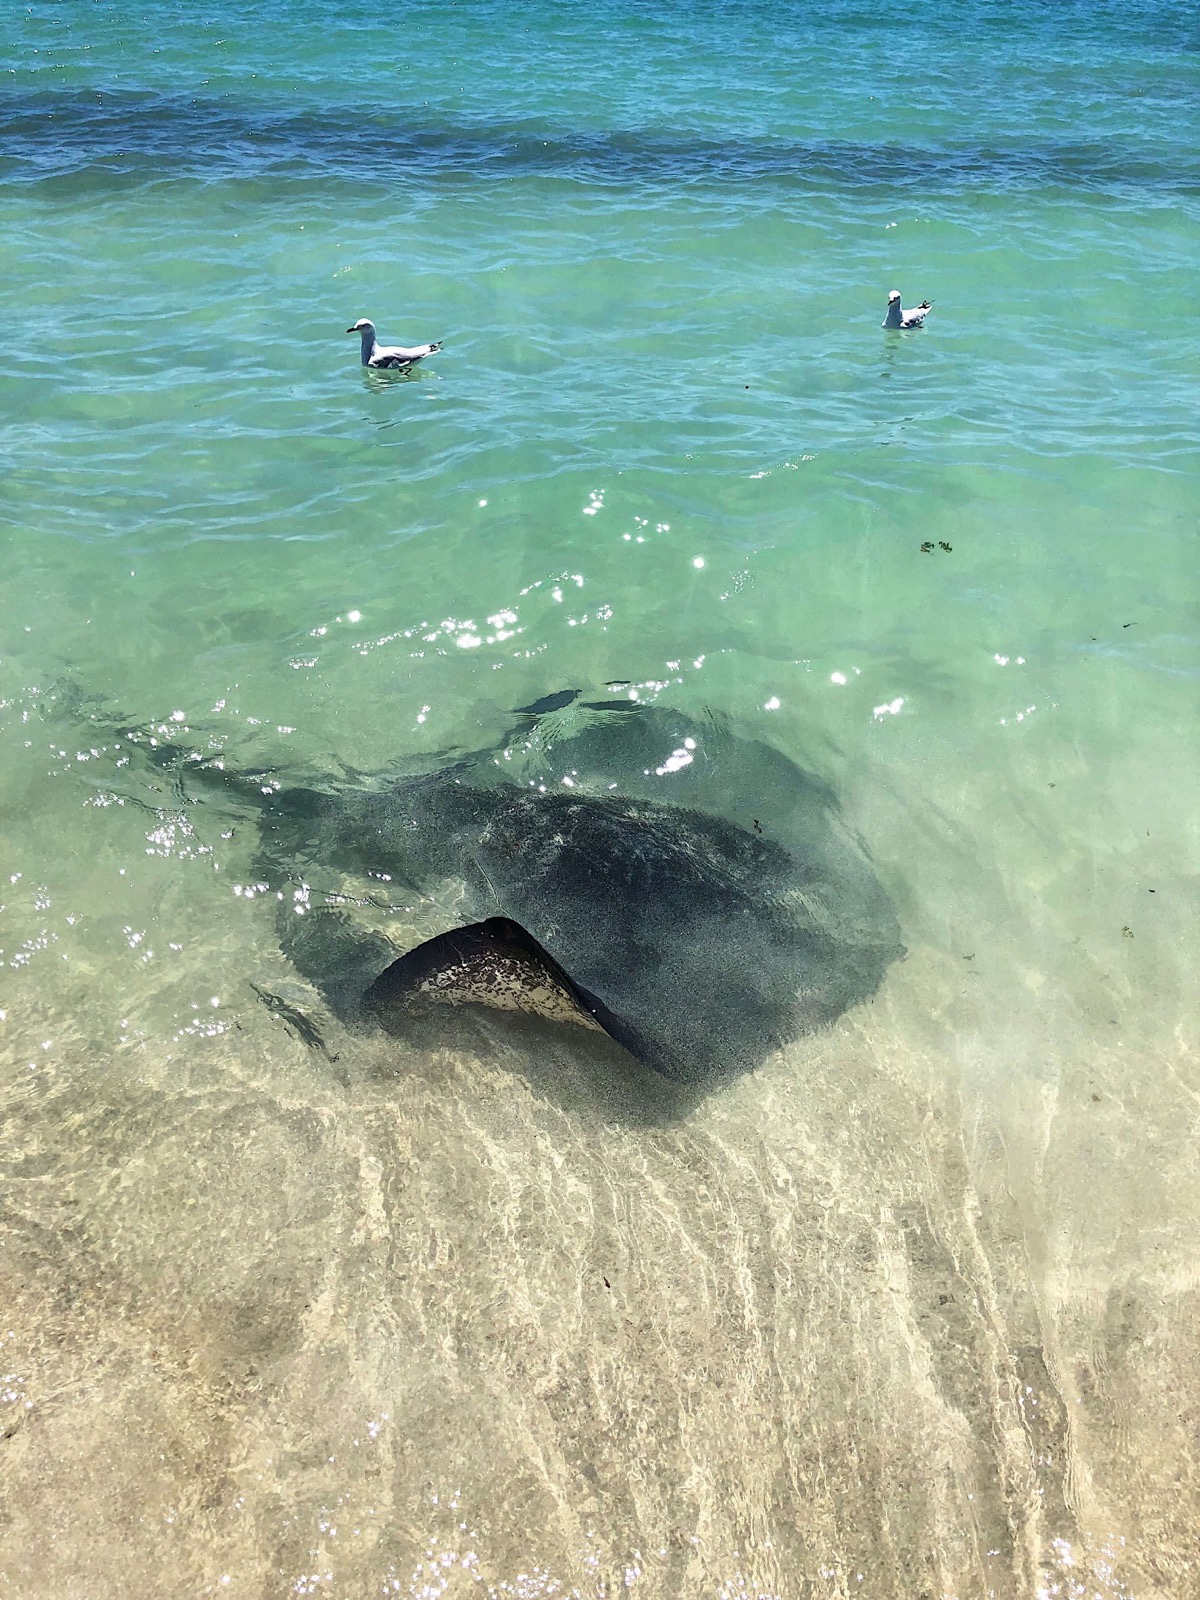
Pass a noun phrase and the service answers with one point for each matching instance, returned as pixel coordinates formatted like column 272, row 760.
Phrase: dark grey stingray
column 694, row 893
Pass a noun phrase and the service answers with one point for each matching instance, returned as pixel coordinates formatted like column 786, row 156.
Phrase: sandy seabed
column 461, row 1323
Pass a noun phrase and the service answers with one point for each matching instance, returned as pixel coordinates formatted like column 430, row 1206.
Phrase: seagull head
column 893, row 295
column 363, row 325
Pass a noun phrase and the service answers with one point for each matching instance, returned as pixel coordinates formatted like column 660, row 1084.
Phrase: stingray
column 694, row 894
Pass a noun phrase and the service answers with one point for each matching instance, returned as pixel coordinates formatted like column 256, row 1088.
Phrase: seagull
column 375, row 354
column 896, row 316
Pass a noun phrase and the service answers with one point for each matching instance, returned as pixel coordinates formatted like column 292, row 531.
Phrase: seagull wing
column 916, row 317
column 398, row 355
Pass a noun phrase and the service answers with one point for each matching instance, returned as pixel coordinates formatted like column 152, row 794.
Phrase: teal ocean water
column 911, row 1310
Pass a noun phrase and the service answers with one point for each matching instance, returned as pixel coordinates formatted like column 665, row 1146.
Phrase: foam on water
column 913, row 1309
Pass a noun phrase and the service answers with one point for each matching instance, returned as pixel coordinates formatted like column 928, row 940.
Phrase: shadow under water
column 693, row 894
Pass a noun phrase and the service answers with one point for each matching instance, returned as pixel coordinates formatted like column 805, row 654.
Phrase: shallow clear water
column 912, row 1310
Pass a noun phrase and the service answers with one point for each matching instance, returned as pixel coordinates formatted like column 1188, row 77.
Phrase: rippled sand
column 455, row 1320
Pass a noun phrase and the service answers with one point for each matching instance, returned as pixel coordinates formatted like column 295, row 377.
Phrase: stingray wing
column 494, row 963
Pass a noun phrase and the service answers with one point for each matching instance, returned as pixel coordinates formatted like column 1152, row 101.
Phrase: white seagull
column 375, row 354
column 896, row 317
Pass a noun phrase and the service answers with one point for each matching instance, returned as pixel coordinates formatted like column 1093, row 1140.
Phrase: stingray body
column 693, row 894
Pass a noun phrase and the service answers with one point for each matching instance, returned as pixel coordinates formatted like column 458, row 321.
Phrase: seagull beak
column 351, row 330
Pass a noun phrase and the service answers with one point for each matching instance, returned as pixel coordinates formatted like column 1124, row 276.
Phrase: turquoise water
column 912, row 1310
